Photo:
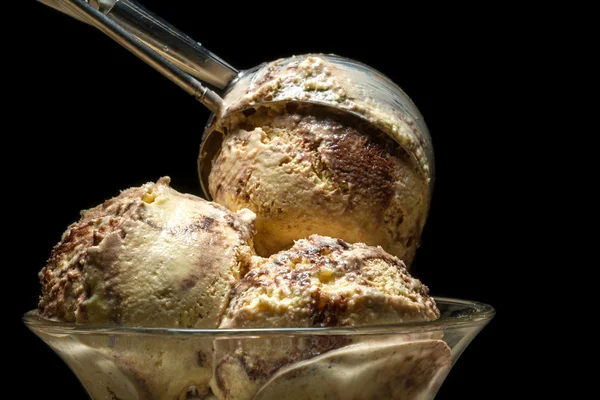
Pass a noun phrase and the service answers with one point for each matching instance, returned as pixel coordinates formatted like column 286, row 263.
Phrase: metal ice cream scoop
column 342, row 85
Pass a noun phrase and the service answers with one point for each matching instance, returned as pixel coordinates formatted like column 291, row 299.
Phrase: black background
column 91, row 119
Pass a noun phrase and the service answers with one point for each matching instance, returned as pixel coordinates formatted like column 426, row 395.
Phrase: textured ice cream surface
column 150, row 256
column 323, row 282
column 341, row 83
column 326, row 282
column 304, row 171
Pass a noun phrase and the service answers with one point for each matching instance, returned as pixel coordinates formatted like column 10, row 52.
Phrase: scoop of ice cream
column 322, row 282
column 149, row 257
column 338, row 84
column 305, row 172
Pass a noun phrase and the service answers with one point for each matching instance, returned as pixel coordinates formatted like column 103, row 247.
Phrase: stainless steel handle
column 165, row 39
column 173, row 44
column 129, row 21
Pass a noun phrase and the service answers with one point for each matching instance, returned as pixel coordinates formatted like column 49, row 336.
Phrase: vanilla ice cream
column 148, row 257
column 304, row 174
column 322, row 281
column 309, row 152
column 325, row 282
column 154, row 257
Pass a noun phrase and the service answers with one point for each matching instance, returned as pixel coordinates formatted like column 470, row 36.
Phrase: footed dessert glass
column 394, row 361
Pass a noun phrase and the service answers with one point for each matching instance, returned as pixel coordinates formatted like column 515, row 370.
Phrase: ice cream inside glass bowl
column 294, row 281
column 389, row 361
column 157, row 294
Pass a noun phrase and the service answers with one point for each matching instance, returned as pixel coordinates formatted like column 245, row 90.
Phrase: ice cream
column 149, row 257
column 341, row 85
column 136, row 366
column 310, row 169
column 325, row 282
column 317, row 213
column 154, row 257
column 304, row 174
column 330, row 367
column 322, row 281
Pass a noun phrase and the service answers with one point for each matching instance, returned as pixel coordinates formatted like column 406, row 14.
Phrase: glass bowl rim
column 481, row 314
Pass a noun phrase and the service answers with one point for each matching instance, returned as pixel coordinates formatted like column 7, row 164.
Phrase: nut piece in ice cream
column 306, row 174
column 149, row 257
column 322, row 282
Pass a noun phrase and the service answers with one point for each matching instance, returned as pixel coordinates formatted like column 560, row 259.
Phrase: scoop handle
column 166, row 49
column 173, row 44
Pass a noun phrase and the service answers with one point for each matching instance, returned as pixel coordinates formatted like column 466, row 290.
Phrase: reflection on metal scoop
column 380, row 370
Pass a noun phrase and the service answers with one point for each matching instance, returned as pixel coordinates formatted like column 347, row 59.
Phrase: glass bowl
column 394, row 361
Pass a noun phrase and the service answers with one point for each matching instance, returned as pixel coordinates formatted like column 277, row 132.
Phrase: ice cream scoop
column 154, row 257
column 322, row 281
column 328, row 85
column 325, row 282
column 150, row 256
column 305, row 172
column 320, row 144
